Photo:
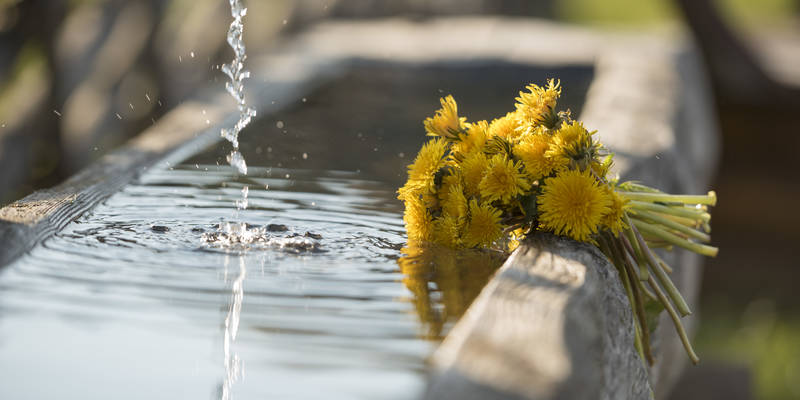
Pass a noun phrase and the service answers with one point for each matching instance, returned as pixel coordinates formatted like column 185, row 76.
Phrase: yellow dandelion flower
column 575, row 144
column 473, row 167
column 573, row 204
column 533, row 151
column 503, row 180
column 483, row 227
column 455, row 203
column 474, row 139
column 422, row 171
column 447, row 231
column 602, row 168
column 515, row 238
column 614, row 219
column 535, row 106
column 418, row 220
column 507, row 126
column 449, row 179
column 445, row 122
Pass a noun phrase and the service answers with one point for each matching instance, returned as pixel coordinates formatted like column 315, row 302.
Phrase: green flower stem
column 709, row 199
column 626, row 258
column 662, row 277
column 663, row 264
column 691, row 223
column 698, row 248
column 673, row 225
column 633, row 249
column 676, row 211
column 676, row 320
column 658, row 244
column 640, row 314
column 638, row 187
column 642, row 334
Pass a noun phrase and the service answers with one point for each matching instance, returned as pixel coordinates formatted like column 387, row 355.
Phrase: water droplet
column 208, row 122
column 95, row 148
column 269, row 149
column 305, row 99
column 285, row 22
column 118, row 116
column 266, row 187
column 280, row 124
column 57, row 113
column 147, row 96
column 305, row 156
column 313, row 203
column 287, row 176
column 204, row 112
column 236, row 160
column 401, row 155
column 375, row 149
column 180, row 59
column 131, row 105
column 191, row 54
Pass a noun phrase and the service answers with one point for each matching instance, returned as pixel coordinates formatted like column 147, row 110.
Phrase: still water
column 129, row 302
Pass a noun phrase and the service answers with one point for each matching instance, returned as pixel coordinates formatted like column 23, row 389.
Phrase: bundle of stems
column 655, row 219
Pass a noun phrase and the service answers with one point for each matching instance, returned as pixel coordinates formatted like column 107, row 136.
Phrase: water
column 128, row 301
column 235, row 86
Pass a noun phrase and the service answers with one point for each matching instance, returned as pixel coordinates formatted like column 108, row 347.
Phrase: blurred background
column 80, row 77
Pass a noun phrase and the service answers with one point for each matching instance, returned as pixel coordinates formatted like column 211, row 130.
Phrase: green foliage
column 766, row 341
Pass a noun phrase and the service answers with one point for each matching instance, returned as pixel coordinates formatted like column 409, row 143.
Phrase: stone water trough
column 553, row 322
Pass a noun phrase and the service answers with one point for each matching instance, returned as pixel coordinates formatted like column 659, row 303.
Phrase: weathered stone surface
column 554, row 323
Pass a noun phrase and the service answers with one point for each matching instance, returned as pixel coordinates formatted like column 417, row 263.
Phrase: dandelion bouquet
column 488, row 185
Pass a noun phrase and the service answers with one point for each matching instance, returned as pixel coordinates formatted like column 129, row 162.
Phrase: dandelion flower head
column 535, row 105
column 503, row 180
column 445, row 122
column 484, row 227
column 573, row 204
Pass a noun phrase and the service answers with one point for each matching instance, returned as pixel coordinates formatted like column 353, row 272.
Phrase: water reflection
column 233, row 365
column 444, row 282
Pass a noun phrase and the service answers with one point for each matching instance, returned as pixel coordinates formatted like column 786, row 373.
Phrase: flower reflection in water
column 444, row 282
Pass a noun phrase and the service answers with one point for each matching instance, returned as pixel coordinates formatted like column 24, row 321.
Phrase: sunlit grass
column 766, row 341
column 633, row 13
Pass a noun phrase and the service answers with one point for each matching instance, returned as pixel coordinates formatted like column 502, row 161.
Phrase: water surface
column 128, row 302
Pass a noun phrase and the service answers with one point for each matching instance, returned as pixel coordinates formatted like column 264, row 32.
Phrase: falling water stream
column 236, row 231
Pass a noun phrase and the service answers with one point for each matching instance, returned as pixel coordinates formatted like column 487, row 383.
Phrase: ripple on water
column 136, row 287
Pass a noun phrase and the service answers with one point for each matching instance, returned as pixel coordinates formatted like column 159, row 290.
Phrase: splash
column 235, row 86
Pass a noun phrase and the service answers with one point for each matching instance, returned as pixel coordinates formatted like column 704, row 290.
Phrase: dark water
column 128, row 302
